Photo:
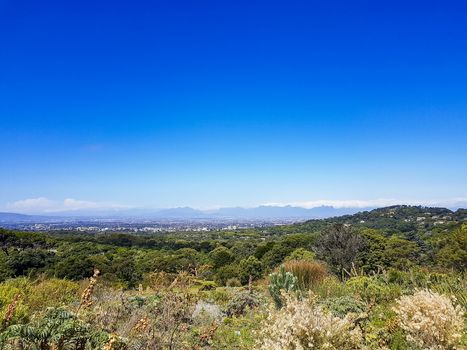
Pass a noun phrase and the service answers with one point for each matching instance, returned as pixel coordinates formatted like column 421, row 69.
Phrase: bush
column 341, row 306
column 301, row 254
column 221, row 256
column 206, row 313
column 242, row 302
column 303, row 324
column 52, row 293
column 250, row 267
column 281, row 281
column 58, row 329
column 233, row 282
column 308, row 273
column 237, row 333
column 225, row 273
column 339, row 245
column 206, row 285
column 8, row 291
column 430, row 320
column 330, row 287
column 371, row 289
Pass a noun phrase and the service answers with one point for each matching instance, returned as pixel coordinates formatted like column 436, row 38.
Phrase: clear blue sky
column 213, row 103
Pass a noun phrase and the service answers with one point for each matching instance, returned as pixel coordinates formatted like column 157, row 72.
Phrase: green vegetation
column 359, row 278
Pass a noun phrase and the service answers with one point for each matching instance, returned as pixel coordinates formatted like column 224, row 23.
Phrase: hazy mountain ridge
column 260, row 212
column 353, row 215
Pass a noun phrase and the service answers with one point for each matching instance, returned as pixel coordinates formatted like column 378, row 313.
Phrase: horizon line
column 45, row 206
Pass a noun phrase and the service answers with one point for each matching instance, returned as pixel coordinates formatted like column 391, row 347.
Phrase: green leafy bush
column 58, row 329
column 373, row 290
column 301, row 254
column 233, row 282
column 341, row 306
column 250, row 266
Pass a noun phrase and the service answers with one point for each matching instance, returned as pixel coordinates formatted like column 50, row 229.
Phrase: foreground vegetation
column 384, row 279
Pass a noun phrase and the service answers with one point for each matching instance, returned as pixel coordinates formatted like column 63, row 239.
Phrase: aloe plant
column 279, row 282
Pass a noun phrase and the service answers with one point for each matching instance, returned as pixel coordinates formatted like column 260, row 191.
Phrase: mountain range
column 260, row 213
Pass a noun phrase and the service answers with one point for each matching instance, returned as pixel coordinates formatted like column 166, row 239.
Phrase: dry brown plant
column 86, row 296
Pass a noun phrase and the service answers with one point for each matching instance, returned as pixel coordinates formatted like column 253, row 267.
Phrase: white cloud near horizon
column 371, row 203
column 45, row 205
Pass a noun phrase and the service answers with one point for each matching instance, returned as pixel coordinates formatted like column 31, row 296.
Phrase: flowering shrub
column 430, row 320
column 304, row 325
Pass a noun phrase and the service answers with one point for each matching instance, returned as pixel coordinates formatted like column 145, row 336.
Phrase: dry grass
column 309, row 273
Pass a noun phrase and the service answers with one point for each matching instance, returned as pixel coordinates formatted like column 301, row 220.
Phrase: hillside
column 399, row 218
column 226, row 289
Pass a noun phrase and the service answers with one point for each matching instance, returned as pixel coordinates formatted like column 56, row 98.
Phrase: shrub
column 382, row 330
column 372, row 290
column 430, row 320
column 8, row 290
column 225, row 273
column 341, row 306
column 58, row 329
column 301, row 254
column 308, row 273
column 220, row 295
column 5, row 270
column 52, row 293
column 205, row 285
column 206, row 313
column 330, row 287
column 250, row 266
column 281, row 281
column 339, row 246
column 302, row 324
column 242, row 302
column 233, row 282
column 237, row 333
column 221, row 256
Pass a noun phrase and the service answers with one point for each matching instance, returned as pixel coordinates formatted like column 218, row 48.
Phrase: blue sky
column 220, row 103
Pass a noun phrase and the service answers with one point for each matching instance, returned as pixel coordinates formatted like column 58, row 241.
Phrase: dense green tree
column 220, row 256
column 263, row 248
column 275, row 256
column 250, row 266
column 5, row 269
column 301, row 254
column 242, row 250
column 453, row 250
column 227, row 272
column 74, row 267
column 372, row 258
column 30, row 260
column 400, row 253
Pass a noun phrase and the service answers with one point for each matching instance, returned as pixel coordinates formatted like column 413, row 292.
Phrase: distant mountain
column 14, row 217
column 182, row 212
column 187, row 213
column 285, row 212
column 404, row 217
